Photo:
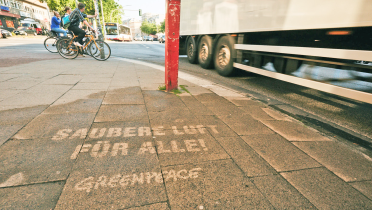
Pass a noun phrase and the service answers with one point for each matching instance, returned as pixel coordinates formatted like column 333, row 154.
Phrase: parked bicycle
column 98, row 49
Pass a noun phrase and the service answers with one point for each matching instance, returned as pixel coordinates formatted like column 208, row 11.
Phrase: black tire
column 205, row 52
column 97, row 53
column 224, row 56
column 50, row 44
column 192, row 52
column 66, row 49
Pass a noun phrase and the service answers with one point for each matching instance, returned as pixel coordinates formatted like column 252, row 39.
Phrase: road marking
column 123, row 181
column 105, row 148
column 97, row 133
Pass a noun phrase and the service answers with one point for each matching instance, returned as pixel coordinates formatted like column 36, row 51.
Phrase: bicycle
column 50, row 43
column 98, row 49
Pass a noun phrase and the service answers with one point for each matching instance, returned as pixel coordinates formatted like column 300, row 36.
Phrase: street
column 85, row 134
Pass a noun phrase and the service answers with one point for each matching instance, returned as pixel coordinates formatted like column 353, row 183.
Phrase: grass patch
column 162, row 87
column 183, row 87
column 176, row 91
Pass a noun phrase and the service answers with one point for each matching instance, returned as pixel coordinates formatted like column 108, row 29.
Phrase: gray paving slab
column 79, row 106
column 349, row 165
column 276, row 114
column 294, row 131
column 364, row 187
column 225, row 109
column 197, row 90
column 17, row 85
column 279, row 153
column 96, row 80
column 195, row 106
column 38, row 196
column 124, row 83
column 91, row 86
column 188, row 148
column 211, row 185
column 35, row 161
column 216, row 127
column 325, row 190
column 164, row 104
column 74, row 95
column 125, row 91
column 245, row 124
column 245, row 102
column 116, row 181
column 20, row 116
column 245, row 157
column 257, row 112
column 8, row 93
column 55, row 126
column 212, row 99
column 110, row 113
column 4, row 77
column 63, row 79
column 168, row 119
column 280, row 193
column 7, row 131
column 156, row 206
column 136, row 98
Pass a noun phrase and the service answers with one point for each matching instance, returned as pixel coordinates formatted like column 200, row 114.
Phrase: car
column 4, row 33
column 149, row 38
column 26, row 29
column 138, row 38
column 162, row 39
column 155, row 38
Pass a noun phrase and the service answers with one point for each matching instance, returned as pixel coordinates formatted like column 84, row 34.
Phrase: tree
column 148, row 28
column 162, row 27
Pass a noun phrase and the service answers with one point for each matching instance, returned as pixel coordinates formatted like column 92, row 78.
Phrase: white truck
column 325, row 45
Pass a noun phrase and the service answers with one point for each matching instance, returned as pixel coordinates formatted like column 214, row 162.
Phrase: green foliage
column 112, row 11
column 149, row 28
column 162, row 27
column 161, row 87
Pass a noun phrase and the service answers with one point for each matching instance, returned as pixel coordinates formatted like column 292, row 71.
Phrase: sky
column 152, row 6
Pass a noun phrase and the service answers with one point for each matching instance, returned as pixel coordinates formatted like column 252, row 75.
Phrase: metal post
column 172, row 37
column 99, row 30
column 103, row 21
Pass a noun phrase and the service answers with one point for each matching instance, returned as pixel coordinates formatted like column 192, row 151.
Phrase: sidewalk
column 85, row 134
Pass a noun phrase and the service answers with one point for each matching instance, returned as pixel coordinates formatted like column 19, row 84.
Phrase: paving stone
column 55, row 125
column 221, row 129
column 170, row 118
column 211, row 185
column 197, row 90
column 63, row 79
column 245, row 125
column 212, row 99
column 225, row 109
column 113, row 181
column 257, row 112
column 245, row 157
column 195, row 106
column 364, row 187
column 245, row 102
column 124, row 91
column 96, row 80
column 188, row 148
column 156, row 206
column 38, row 196
column 109, row 113
column 124, row 99
column 276, row 115
column 17, row 85
column 325, row 190
column 341, row 160
column 35, row 161
column 294, row 131
column 279, row 153
column 91, row 86
column 79, row 106
column 74, row 95
column 20, row 116
column 4, row 94
column 164, row 104
column 7, row 131
column 280, row 193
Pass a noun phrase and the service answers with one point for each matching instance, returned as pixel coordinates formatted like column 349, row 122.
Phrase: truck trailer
column 324, row 45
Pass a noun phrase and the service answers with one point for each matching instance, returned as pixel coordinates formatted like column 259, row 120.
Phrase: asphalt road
column 347, row 120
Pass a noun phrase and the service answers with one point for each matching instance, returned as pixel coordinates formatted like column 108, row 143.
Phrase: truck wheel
column 192, row 53
column 223, row 56
column 205, row 52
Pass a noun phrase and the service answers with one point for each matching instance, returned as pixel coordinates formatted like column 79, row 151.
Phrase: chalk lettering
column 142, row 131
column 147, row 147
column 128, row 132
column 176, row 132
column 161, row 148
column 93, row 134
column 81, row 133
column 190, row 145
column 158, row 131
column 114, row 132
column 190, row 129
column 175, row 147
column 213, row 128
column 113, row 180
column 61, row 134
column 119, row 146
column 98, row 152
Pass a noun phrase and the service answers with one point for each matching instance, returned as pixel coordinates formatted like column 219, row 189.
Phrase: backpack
column 65, row 22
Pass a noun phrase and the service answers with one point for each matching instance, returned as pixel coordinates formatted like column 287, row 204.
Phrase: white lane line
column 216, row 88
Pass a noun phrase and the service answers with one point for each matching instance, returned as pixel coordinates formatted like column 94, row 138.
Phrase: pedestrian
column 76, row 17
column 56, row 21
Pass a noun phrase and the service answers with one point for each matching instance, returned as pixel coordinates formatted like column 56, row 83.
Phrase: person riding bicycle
column 76, row 17
column 55, row 24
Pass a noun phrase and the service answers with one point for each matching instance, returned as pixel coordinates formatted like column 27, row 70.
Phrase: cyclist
column 76, row 17
column 55, row 24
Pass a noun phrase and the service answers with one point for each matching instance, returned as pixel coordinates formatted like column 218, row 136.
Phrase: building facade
column 14, row 11
column 134, row 25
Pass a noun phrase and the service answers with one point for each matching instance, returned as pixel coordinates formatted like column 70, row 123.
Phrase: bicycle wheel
column 66, row 49
column 100, row 50
column 50, row 44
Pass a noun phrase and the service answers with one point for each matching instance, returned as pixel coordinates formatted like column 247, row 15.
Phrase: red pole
column 172, row 40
